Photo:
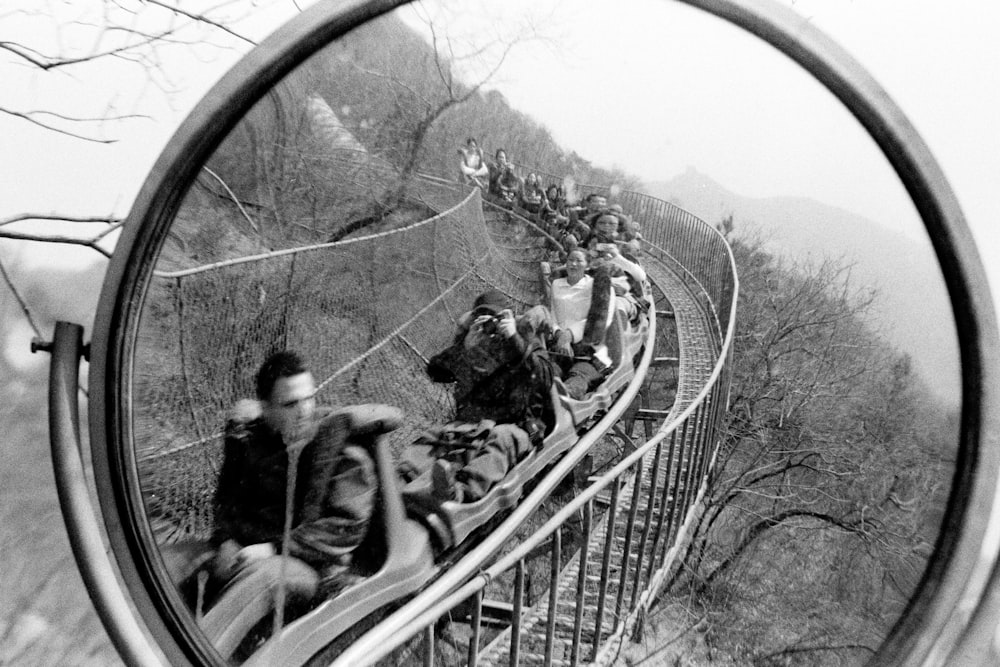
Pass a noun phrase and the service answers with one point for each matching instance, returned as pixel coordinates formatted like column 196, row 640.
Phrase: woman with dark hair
column 554, row 208
column 507, row 187
column 473, row 166
column 532, row 197
column 581, row 304
column 497, row 168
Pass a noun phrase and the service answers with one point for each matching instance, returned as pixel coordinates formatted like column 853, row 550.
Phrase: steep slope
column 912, row 307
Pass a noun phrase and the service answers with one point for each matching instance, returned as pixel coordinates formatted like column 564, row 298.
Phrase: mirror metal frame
column 958, row 597
column 142, row 570
column 932, row 628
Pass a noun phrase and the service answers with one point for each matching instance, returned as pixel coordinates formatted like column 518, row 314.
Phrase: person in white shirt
column 581, row 307
column 473, row 165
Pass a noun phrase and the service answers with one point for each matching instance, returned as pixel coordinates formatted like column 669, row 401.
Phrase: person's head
column 596, row 202
column 501, row 156
column 633, row 248
column 471, row 142
column 484, row 349
column 576, row 265
column 606, row 225
column 531, row 179
column 552, row 192
column 491, row 302
column 287, row 393
column 627, row 228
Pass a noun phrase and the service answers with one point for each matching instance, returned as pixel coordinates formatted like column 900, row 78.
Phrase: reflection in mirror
column 348, row 218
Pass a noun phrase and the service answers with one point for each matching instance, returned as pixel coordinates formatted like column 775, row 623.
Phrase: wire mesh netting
column 366, row 313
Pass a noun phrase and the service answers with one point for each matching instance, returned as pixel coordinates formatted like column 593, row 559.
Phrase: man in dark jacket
column 278, row 449
column 502, row 376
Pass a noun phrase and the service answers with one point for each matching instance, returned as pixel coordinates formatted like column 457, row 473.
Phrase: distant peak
column 692, row 180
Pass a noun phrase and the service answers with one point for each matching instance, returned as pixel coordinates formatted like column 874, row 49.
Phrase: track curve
column 647, row 503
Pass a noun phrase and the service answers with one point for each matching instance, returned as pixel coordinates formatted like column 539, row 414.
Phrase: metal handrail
column 418, row 616
column 373, row 645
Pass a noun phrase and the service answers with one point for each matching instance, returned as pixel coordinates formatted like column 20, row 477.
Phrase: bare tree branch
column 758, row 529
column 70, row 240
column 24, row 217
column 792, row 650
column 28, row 117
column 201, row 18
column 20, row 300
column 233, row 196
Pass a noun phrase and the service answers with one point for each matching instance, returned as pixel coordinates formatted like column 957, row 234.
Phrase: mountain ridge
column 912, row 309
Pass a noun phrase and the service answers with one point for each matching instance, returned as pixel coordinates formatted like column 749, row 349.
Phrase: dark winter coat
column 516, row 391
column 335, row 488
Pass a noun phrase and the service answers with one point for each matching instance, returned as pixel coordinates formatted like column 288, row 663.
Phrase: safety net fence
column 365, row 312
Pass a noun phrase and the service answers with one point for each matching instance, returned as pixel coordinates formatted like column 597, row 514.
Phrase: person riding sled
column 295, row 498
column 502, row 376
column 473, row 167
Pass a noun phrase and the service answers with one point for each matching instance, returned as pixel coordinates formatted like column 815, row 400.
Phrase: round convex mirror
column 325, row 198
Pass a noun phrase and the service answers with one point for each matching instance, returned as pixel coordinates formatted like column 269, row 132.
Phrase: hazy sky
column 655, row 87
column 650, row 86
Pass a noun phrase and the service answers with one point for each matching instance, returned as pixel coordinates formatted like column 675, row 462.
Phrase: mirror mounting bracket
column 85, row 539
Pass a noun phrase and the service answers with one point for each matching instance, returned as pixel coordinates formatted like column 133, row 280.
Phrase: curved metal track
column 640, row 515
column 616, row 528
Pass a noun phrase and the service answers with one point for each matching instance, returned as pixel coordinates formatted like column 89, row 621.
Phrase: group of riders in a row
column 560, row 214
column 282, row 447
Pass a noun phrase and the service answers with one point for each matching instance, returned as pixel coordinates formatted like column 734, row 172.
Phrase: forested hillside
column 399, row 108
column 830, row 484
column 911, row 308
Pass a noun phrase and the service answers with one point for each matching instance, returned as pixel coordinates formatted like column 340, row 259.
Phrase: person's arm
column 529, row 349
column 231, row 523
column 464, row 165
column 562, row 338
column 612, row 254
column 441, row 367
column 227, row 502
column 628, row 266
column 538, row 360
column 338, row 509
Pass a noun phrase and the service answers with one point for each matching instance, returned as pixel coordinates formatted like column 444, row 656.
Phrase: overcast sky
column 656, row 87
column 651, row 86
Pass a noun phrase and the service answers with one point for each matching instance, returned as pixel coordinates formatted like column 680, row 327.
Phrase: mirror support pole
column 74, row 500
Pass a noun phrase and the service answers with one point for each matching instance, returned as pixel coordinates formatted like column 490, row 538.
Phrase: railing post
column 629, row 532
column 515, row 627
column 429, row 646
column 581, row 584
column 678, row 507
column 550, row 628
column 658, row 535
column 609, row 539
column 649, row 500
column 477, row 617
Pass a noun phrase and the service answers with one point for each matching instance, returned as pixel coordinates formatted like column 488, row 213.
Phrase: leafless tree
column 830, row 477
column 52, row 48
